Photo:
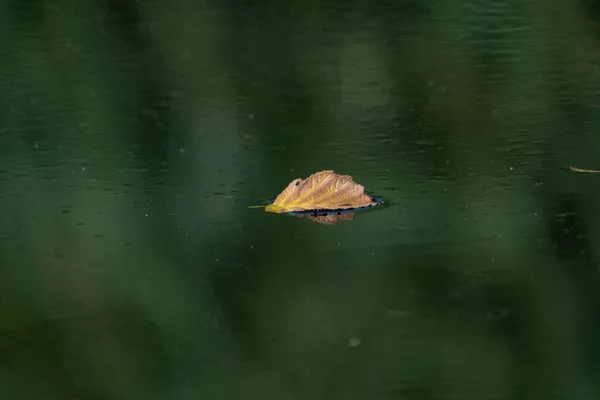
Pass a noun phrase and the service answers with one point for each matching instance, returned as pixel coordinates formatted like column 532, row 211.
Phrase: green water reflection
column 134, row 136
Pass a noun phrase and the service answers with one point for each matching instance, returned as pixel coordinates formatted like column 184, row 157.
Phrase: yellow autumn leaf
column 323, row 190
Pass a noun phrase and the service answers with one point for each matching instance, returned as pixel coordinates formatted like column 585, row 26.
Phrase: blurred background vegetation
column 134, row 134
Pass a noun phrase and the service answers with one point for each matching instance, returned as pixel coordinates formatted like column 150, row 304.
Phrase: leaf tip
column 273, row 208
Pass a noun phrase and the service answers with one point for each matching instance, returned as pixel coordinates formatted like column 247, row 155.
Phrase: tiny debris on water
column 589, row 171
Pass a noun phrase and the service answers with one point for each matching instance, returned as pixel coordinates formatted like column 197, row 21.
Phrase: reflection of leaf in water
column 328, row 218
column 323, row 190
column 589, row 171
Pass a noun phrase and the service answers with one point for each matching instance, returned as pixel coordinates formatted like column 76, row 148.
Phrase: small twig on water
column 589, row 171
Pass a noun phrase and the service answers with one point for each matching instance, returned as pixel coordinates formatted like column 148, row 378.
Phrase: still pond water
column 134, row 137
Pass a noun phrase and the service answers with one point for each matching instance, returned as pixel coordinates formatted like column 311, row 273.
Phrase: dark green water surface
column 135, row 134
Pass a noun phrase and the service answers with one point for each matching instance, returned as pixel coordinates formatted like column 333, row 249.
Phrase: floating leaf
column 322, row 191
